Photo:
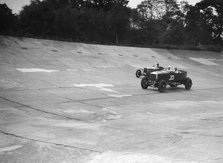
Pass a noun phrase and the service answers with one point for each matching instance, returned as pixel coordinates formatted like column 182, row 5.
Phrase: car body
column 161, row 79
column 143, row 71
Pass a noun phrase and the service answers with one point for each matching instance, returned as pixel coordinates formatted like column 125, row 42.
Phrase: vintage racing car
column 161, row 79
column 143, row 71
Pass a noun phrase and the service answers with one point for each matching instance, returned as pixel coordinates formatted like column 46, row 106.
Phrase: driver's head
column 175, row 68
column 169, row 67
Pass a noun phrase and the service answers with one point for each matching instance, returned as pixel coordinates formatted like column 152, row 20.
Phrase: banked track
column 40, row 76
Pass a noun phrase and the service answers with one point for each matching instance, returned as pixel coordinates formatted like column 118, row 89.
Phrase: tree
column 172, row 24
column 66, row 23
column 80, row 20
column 161, row 21
column 31, row 18
column 118, row 21
column 212, row 13
column 151, row 9
column 204, row 22
column 7, row 19
column 184, row 7
column 156, row 9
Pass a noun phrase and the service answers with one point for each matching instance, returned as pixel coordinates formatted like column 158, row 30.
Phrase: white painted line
column 119, row 96
column 203, row 61
column 101, row 86
column 35, row 70
column 107, row 89
column 10, row 148
column 124, row 157
column 94, row 85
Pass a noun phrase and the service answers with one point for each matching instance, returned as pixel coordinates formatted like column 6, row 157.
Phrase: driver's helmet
column 175, row 68
column 169, row 68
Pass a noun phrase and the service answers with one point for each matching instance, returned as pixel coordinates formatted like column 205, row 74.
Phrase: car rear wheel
column 144, row 83
column 138, row 73
column 188, row 83
column 162, row 86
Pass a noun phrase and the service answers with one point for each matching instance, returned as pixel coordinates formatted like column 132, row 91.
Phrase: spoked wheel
column 138, row 73
column 188, row 83
column 162, row 86
column 144, row 83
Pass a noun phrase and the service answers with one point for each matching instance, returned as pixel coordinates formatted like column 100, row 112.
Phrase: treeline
column 152, row 23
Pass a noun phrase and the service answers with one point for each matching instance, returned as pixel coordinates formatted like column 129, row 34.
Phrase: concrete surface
column 64, row 102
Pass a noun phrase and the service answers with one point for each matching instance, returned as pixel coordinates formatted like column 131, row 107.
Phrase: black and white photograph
column 111, row 81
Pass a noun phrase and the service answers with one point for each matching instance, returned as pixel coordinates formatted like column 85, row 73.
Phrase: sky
column 16, row 5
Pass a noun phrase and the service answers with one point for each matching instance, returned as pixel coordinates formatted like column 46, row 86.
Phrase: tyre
column 144, row 83
column 188, row 83
column 138, row 73
column 162, row 86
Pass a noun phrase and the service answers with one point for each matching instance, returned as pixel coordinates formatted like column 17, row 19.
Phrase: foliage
column 211, row 12
column 154, row 23
column 78, row 20
column 7, row 19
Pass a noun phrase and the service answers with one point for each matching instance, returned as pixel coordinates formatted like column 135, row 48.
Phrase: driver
column 169, row 68
column 157, row 66
column 176, row 70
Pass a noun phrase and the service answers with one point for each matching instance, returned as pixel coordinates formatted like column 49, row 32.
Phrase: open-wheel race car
column 161, row 79
column 143, row 71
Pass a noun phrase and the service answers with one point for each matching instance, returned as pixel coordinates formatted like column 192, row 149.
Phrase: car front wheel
column 162, row 86
column 188, row 84
column 144, row 83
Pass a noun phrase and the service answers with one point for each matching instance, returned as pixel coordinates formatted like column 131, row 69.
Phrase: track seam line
column 109, row 97
column 200, row 134
column 41, row 141
column 40, row 110
column 134, row 95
